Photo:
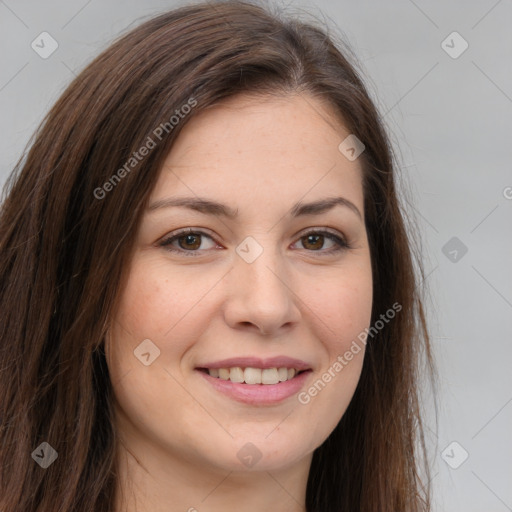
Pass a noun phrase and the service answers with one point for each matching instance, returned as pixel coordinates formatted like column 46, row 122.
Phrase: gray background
column 450, row 120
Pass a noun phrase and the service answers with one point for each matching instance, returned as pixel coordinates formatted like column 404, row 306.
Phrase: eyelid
column 174, row 235
column 339, row 239
column 321, row 229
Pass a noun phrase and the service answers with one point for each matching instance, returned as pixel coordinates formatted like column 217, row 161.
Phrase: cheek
column 160, row 303
column 345, row 312
column 343, row 306
column 153, row 307
column 157, row 305
column 148, row 304
column 343, row 309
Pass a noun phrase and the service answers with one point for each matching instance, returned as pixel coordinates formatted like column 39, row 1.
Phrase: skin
column 180, row 436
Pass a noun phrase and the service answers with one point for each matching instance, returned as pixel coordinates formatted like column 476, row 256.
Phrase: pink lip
column 255, row 362
column 257, row 394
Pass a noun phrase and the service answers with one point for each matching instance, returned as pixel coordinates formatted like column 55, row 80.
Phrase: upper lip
column 256, row 362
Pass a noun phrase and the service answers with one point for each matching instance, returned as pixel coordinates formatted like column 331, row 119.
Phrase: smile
column 256, row 393
column 251, row 375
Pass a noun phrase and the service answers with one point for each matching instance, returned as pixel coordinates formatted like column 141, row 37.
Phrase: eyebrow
column 209, row 207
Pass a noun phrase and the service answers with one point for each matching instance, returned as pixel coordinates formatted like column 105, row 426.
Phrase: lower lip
column 258, row 394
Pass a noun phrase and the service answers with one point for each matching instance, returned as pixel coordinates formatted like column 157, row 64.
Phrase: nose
column 260, row 295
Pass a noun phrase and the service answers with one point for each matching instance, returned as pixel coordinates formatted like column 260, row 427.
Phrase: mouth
column 256, row 381
column 254, row 376
column 263, row 387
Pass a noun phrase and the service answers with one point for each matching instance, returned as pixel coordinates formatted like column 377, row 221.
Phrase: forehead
column 251, row 147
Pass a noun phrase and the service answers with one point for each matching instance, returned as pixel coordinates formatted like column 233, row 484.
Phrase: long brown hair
column 66, row 237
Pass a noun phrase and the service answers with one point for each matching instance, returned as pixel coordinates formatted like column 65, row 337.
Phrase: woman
column 207, row 290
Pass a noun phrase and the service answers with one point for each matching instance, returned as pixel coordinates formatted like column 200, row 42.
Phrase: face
column 263, row 288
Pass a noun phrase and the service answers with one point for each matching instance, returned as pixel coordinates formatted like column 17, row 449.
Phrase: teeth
column 236, row 374
column 223, row 373
column 269, row 376
column 254, row 375
column 283, row 374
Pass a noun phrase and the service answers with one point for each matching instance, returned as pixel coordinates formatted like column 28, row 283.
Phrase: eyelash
column 340, row 242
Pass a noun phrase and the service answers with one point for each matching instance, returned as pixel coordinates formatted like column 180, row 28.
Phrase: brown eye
column 314, row 241
column 189, row 241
